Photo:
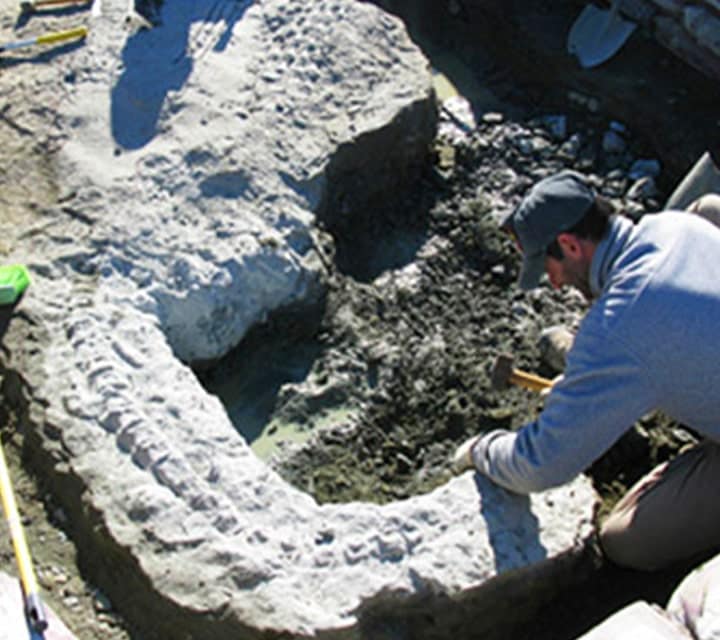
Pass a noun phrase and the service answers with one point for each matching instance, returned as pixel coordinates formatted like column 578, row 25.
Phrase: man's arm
column 603, row 392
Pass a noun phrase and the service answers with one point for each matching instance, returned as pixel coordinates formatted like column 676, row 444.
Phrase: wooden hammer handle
column 39, row 4
column 529, row 380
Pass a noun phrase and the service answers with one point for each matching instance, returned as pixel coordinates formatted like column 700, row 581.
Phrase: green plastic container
column 14, row 279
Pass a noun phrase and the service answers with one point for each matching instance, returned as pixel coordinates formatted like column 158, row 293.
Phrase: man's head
column 557, row 226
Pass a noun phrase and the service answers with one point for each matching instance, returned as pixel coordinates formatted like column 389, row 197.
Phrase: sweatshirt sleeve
column 605, row 389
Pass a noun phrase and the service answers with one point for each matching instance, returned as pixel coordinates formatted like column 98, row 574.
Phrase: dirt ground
column 32, row 83
column 415, row 357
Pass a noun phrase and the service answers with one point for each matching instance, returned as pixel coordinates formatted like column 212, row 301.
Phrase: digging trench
column 366, row 397
column 430, row 264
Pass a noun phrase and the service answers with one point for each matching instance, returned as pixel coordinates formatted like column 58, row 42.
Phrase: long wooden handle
column 33, row 604
column 39, row 4
column 529, row 380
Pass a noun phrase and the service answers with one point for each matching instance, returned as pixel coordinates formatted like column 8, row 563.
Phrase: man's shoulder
column 668, row 237
column 675, row 221
column 670, row 265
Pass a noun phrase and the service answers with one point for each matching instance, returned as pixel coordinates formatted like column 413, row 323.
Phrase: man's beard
column 580, row 280
column 582, row 284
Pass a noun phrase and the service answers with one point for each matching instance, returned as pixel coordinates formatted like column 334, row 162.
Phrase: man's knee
column 624, row 546
column 670, row 515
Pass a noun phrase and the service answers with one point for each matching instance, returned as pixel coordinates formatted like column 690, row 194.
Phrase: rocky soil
column 411, row 350
column 415, row 347
column 422, row 299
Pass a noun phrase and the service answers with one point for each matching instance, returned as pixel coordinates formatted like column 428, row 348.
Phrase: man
column 648, row 341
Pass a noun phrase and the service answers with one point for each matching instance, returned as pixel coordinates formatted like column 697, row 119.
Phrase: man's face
column 572, row 270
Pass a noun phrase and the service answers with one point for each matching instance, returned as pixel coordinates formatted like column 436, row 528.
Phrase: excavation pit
column 148, row 264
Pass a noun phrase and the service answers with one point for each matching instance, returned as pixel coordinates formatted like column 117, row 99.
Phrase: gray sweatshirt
column 651, row 340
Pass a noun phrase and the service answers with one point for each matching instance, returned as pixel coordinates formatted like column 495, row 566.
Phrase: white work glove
column 462, row 458
column 554, row 344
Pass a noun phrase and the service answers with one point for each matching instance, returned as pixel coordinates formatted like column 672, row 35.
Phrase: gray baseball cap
column 552, row 206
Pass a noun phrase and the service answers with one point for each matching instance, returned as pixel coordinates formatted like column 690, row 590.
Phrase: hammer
column 27, row 6
column 503, row 374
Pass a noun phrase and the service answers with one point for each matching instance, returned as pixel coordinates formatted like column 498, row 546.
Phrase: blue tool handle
column 35, row 612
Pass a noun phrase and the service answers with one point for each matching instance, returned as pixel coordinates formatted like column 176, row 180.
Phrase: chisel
column 48, row 38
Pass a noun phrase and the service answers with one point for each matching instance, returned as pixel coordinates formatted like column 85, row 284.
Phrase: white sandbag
column 696, row 601
column 638, row 621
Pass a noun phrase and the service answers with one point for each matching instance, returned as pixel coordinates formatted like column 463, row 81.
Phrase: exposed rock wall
column 196, row 157
column 662, row 82
column 688, row 28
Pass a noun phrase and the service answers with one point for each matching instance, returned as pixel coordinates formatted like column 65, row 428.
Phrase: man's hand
column 545, row 392
column 462, row 458
column 554, row 344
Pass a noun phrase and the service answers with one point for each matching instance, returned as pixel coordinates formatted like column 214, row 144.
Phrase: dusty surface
column 76, row 601
column 32, row 82
column 434, row 389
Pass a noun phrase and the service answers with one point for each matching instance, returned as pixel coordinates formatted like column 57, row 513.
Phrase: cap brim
column 532, row 269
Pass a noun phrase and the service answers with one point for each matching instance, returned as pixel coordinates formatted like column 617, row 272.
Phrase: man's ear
column 570, row 245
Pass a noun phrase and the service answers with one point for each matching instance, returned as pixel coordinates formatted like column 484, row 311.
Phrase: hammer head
column 501, row 371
